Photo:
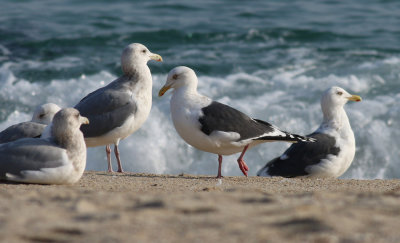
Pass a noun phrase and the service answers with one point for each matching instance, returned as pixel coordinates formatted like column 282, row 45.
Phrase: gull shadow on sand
column 142, row 175
column 304, row 225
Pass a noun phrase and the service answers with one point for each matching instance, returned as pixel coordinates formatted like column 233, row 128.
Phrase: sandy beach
column 129, row 207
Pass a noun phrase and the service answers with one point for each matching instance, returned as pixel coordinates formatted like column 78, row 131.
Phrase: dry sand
column 106, row 207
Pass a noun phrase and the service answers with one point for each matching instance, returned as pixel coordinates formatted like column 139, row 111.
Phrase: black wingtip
column 306, row 139
column 300, row 138
column 290, row 137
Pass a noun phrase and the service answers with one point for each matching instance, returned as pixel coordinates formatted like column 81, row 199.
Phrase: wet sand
column 129, row 207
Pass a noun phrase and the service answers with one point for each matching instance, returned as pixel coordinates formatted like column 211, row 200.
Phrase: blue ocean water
column 270, row 59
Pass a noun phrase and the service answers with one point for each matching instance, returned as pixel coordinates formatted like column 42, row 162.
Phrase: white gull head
column 336, row 97
column 44, row 113
column 134, row 56
column 333, row 101
column 180, row 77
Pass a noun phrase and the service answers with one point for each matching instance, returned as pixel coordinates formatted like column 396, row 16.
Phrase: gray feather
column 29, row 154
column 106, row 108
column 21, row 130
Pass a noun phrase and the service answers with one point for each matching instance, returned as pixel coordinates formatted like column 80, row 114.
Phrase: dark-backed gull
column 332, row 153
column 214, row 127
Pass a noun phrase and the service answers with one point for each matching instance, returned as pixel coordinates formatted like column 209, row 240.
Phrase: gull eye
column 175, row 76
column 144, row 51
column 339, row 93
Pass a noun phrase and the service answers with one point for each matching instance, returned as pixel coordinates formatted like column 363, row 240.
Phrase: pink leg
column 219, row 166
column 116, row 151
column 242, row 165
column 108, row 151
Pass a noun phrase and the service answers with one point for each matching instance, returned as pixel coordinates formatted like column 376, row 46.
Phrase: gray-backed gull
column 120, row 108
column 42, row 116
column 58, row 159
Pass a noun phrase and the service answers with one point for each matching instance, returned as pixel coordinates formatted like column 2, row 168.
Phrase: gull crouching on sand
column 120, row 108
column 42, row 117
column 214, row 127
column 333, row 152
column 58, row 159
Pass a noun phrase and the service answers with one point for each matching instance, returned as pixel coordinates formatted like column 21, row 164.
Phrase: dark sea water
column 270, row 59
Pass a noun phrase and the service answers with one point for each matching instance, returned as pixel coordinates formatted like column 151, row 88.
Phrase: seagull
column 59, row 159
column 331, row 155
column 42, row 116
column 214, row 127
column 120, row 108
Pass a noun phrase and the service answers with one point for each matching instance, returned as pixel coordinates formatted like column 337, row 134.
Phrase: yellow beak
column 163, row 90
column 156, row 57
column 355, row 98
column 84, row 120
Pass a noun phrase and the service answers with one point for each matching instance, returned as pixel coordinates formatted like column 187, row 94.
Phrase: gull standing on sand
column 42, row 117
column 214, row 127
column 120, row 108
column 331, row 155
column 59, row 159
